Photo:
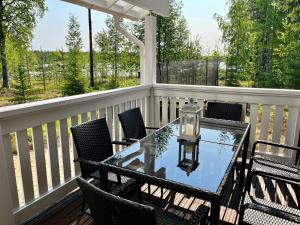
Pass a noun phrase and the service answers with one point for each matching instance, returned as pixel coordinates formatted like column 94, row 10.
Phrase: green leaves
column 262, row 38
column 74, row 83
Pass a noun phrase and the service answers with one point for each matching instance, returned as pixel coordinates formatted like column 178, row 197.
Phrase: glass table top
column 201, row 165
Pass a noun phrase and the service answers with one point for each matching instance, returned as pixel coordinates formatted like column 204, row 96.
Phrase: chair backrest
column 108, row 209
column 226, row 111
column 93, row 142
column 133, row 124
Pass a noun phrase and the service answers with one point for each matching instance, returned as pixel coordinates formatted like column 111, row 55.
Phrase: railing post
column 150, row 49
column 296, row 141
column 6, row 209
column 151, row 109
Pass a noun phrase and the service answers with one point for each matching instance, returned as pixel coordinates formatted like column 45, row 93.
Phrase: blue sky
column 51, row 30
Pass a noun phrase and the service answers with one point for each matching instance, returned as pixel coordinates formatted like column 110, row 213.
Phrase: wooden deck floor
column 67, row 212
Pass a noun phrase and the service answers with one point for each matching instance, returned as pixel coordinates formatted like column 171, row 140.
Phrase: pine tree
column 21, row 89
column 74, row 82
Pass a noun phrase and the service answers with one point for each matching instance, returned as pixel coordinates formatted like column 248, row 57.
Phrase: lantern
column 188, row 156
column 190, row 122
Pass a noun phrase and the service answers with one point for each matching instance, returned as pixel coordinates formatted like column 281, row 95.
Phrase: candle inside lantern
column 189, row 129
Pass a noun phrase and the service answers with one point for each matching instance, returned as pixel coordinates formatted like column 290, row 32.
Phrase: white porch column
column 150, row 50
column 6, row 209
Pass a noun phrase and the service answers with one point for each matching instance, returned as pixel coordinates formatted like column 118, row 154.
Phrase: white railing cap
column 14, row 110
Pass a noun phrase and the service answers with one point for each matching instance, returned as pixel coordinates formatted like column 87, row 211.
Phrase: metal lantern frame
column 186, row 148
column 190, row 122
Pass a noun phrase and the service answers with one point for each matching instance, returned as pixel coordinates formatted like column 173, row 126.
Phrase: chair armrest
column 271, row 211
column 271, row 176
column 152, row 128
column 85, row 161
column 272, row 144
column 121, row 143
column 131, row 140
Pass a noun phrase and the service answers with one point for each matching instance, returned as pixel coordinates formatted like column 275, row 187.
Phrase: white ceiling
column 130, row 9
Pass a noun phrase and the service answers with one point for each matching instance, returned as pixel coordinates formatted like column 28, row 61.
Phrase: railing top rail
column 230, row 90
column 15, row 110
column 261, row 96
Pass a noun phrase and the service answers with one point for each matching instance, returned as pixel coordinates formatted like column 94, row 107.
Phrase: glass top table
column 203, row 166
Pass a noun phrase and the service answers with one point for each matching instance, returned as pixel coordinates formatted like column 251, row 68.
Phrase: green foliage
column 115, row 53
column 262, row 39
column 173, row 37
column 17, row 20
column 21, row 89
column 74, row 82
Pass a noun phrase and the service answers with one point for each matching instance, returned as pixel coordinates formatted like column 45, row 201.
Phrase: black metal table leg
column 244, row 159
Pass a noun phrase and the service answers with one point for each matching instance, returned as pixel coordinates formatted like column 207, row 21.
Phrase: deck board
column 180, row 204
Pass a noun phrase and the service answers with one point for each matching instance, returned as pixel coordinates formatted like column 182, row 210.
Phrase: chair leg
column 149, row 191
column 119, row 179
column 82, row 209
column 297, row 191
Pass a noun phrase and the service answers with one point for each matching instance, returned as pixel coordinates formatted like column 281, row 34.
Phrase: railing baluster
column 253, row 121
column 133, row 103
column 122, row 109
column 143, row 109
column 172, row 109
column 264, row 128
column 84, row 117
column 39, row 151
column 102, row 113
column 25, row 164
column 165, row 114
column 11, row 170
column 6, row 215
column 277, row 126
column 53, row 153
column 157, row 111
column 93, row 115
column 291, row 128
column 74, row 122
column 128, row 105
column 116, row 127
column 64, row 140
column 109, row 119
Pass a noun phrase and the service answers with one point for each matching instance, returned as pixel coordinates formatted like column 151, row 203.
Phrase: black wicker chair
column 93, row 145
column 134, row 128
column 226, row 111
column 259, row 211
column 283, row 170
column 108, row 209
column 133, row 125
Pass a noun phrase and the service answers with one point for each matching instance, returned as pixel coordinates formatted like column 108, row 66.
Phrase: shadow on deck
column 67, row 211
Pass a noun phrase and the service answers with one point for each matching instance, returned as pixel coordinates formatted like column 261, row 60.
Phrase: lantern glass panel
column 190, row 119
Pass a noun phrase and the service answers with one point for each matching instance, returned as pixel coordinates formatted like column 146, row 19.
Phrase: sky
column 51, row 30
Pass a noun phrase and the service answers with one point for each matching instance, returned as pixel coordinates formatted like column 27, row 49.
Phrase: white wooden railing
column 38, row 178
column 274, row 114
column 32, row 180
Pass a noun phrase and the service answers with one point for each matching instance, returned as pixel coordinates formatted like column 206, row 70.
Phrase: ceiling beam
column 100, row 6
column 160, row 7
column 111, row 3
column 127, row 8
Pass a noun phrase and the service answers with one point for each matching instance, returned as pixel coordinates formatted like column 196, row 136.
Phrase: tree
column 172, row 34
column 262, row 39
column 237, row 29
column 74, row 82
column 21, row 89
column 110, row 44
column 42, row 67
column 17, row 20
